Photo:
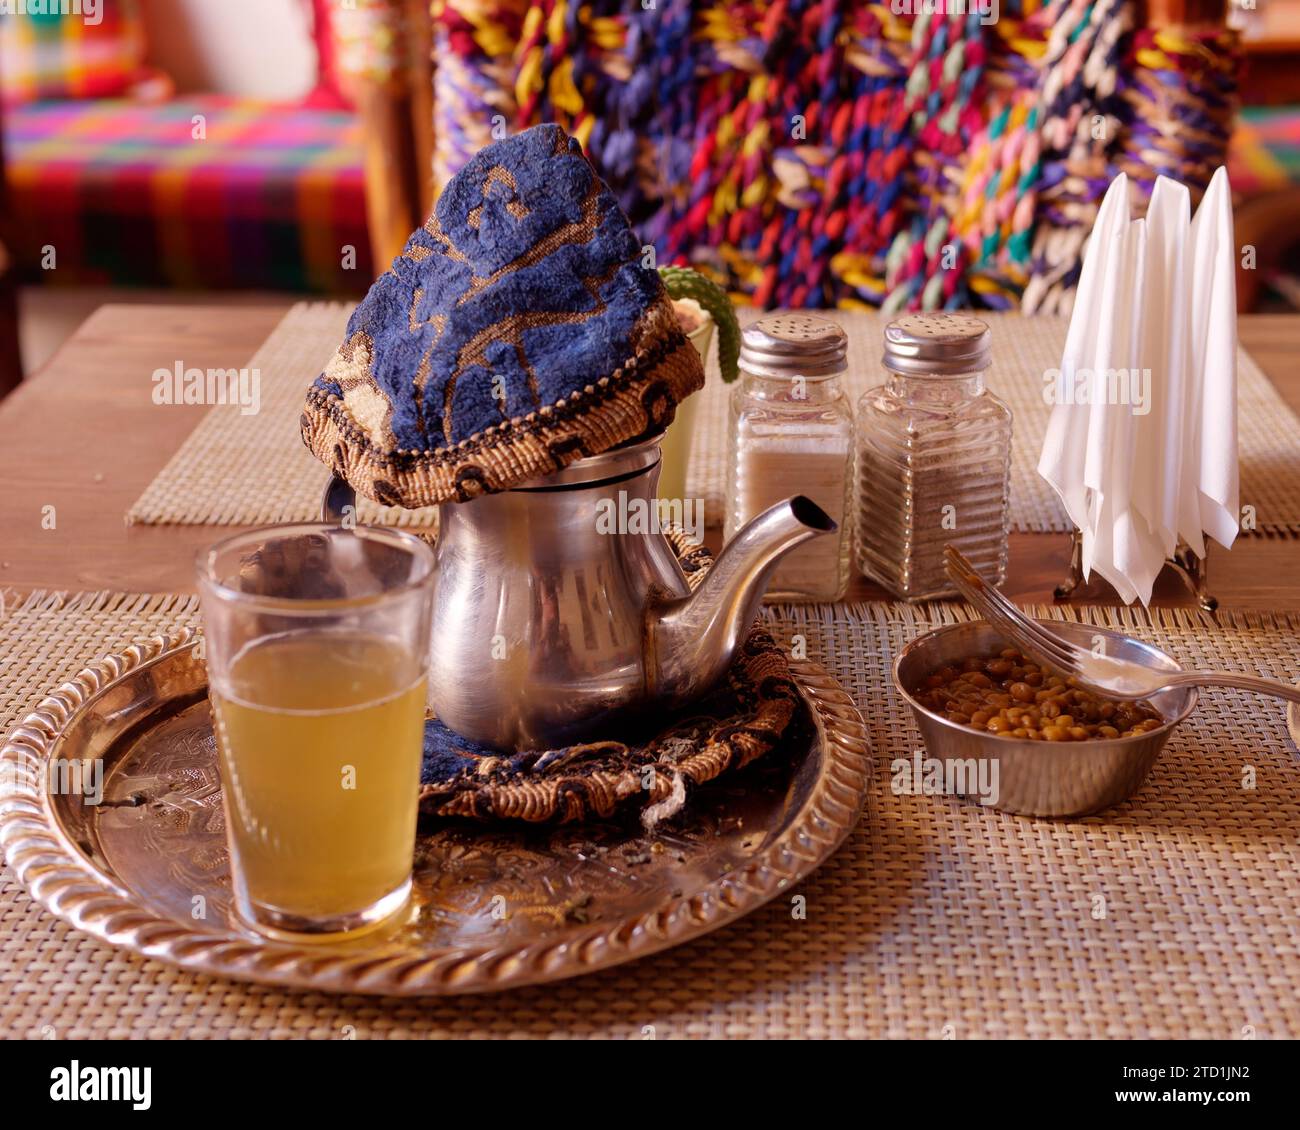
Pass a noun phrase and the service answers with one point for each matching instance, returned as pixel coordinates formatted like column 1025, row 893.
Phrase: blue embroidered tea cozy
column 518, row 331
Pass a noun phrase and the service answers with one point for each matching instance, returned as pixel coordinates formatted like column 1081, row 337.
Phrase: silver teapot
column 554, row 608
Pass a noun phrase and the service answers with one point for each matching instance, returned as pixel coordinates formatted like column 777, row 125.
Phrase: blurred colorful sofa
column 113, row 180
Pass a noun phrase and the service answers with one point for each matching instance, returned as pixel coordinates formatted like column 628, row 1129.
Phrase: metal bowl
column 1037, row 778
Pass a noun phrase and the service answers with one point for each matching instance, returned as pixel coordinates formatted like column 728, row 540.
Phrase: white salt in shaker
column 933, row 458
column 793, row 434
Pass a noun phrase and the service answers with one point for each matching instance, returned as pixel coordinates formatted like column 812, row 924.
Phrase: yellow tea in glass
column 317, row 649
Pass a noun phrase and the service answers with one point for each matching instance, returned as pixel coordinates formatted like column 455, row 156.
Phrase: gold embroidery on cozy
column 416, row 253
column 362, row 398
column 498, row 174
column 434, row 230
column 582, row 231
column 510, row 330
column 660, row 319
column 422, row 370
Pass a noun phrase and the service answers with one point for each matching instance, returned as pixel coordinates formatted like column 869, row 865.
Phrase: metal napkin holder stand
column 1189, row 565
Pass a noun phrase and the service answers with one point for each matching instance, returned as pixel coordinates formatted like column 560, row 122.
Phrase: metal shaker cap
column 791, row 343
column 940, row 343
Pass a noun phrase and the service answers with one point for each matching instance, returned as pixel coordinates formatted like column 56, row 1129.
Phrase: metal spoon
column 1101, row 673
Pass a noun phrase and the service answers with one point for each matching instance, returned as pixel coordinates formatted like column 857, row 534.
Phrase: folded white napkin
column 1142, row 441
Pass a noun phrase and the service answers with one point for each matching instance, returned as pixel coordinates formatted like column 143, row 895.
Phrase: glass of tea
column 317, row 646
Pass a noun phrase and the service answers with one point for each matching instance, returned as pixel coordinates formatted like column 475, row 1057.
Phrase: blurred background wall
column 249, row 48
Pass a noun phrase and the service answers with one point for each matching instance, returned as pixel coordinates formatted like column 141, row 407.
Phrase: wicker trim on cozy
column 635, row 401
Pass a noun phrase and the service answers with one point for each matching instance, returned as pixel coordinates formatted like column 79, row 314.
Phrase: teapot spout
column 695, row 638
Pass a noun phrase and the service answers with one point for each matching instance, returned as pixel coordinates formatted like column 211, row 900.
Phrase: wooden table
column 84, row 437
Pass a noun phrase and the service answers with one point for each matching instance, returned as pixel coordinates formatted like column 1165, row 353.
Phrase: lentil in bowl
column 1012, row 696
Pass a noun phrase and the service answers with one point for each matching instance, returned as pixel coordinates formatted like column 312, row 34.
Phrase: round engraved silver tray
column 147, row 869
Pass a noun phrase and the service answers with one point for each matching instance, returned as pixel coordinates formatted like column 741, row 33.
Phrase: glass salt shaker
column 933, row 458
column 793, row 434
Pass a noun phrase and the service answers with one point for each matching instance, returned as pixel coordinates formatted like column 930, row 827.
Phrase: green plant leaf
column 684, row 282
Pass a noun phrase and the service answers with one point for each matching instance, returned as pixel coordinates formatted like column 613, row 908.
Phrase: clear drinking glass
column 317, row 646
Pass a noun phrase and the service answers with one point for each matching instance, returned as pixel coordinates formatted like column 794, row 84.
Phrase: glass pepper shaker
column 933, row 458
column 793, row 434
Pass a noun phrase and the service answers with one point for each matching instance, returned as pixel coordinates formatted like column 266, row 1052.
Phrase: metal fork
column 1119, row 678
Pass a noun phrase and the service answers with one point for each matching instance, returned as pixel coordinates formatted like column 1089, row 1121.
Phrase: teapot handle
column 336, row 500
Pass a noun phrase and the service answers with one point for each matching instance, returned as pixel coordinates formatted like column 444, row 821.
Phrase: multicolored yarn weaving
column 998, row 187
column 1079, row 132
column 834, row 152
column 926, row 265
column 1180, row 99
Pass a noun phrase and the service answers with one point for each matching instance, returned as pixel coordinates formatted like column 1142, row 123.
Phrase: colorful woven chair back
column 838, row 153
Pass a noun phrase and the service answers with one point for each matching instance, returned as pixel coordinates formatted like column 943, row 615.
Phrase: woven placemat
column 238, row 470
column 1173, row 915
column 254, row 470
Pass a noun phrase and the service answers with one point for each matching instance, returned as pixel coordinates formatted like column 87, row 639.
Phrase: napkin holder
column 1186, row 562
column 1160, row 289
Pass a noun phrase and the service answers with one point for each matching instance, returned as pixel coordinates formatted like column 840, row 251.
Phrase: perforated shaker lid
column 792, row 343
column 941, row 343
